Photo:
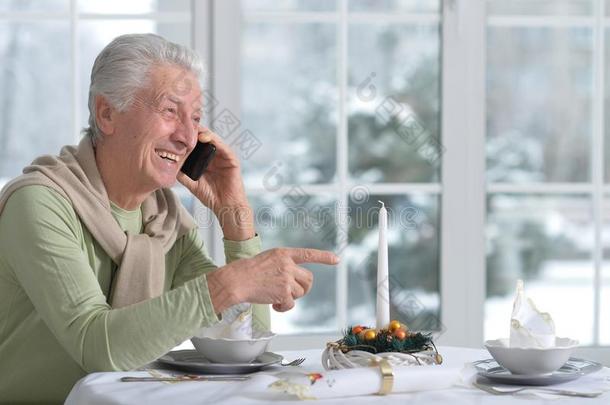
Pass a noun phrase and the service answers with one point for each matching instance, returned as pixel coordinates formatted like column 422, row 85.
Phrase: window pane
column 299, row 220
column 604, row 313
column 546, row 241
column 289, row 5
column 607, row 109
column 56, row 6
column 540, row 7
column 404, row 6
column 394, row 102
column 289, row 101
column 35, row 92
column 132, row 6
column 413, row 256
column 539, row 90
column 95, row 35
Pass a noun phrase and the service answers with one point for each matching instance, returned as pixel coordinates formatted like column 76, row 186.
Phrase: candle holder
column 363, row 347
column 392, row 341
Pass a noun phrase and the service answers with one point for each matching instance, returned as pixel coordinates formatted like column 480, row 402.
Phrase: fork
column 493, row 390
column 295, row 362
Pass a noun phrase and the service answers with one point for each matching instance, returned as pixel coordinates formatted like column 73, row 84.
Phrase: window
column 481, row 124
column 333, row 91
column 546, row 120
column 522, row 132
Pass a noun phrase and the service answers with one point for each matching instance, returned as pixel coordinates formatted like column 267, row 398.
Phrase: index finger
column 204, row 134
column 303, row 255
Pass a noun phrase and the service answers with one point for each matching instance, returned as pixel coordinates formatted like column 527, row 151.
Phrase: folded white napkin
column 367, row 381
column 236, row 324
column 530, row 328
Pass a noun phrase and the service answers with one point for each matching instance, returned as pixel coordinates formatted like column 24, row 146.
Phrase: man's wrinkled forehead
column 177, row 85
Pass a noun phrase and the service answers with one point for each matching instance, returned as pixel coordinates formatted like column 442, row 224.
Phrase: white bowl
column 531, row 361
column 223, row 350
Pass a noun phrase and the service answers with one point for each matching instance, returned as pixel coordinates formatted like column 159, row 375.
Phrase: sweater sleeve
column 43, row 245
column 195, row 261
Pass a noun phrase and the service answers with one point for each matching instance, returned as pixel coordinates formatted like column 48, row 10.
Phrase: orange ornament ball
column 370, row 334
column 400, row 334
column 357, row 329
column 394, row 326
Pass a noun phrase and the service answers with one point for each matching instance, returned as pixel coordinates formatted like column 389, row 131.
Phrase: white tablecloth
column 106, row 388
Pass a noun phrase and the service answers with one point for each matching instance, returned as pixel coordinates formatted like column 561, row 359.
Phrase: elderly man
column 101, row 268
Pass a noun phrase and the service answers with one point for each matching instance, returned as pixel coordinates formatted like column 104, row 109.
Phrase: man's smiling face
column 158, row 131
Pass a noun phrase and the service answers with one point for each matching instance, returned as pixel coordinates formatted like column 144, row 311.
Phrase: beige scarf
column 141, row 258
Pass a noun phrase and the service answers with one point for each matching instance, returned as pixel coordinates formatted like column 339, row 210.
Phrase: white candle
column 383, row 289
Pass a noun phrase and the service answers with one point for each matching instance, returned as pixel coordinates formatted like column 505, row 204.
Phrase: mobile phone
column 199, row 159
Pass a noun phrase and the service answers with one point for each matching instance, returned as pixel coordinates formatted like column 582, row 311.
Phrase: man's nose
column 186, row 132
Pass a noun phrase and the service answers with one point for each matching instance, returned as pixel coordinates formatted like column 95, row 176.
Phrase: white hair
column 123, row 66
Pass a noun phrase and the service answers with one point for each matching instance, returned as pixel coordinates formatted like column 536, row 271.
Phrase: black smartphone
column 198, row 160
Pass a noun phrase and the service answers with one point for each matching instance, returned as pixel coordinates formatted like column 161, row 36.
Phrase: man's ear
column 105, row 115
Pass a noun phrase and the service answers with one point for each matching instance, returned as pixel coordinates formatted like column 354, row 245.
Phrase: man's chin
column 165, row 182
column 169, row 183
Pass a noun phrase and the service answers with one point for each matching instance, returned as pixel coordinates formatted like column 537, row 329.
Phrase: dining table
column 107, row 388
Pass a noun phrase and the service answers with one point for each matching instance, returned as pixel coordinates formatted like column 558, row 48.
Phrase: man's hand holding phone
column 221, row 188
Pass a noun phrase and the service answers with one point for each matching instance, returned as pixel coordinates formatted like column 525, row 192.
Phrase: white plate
column 193, row 361
column 574, row 368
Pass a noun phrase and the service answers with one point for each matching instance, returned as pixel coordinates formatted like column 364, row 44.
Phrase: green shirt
column 55, row 322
